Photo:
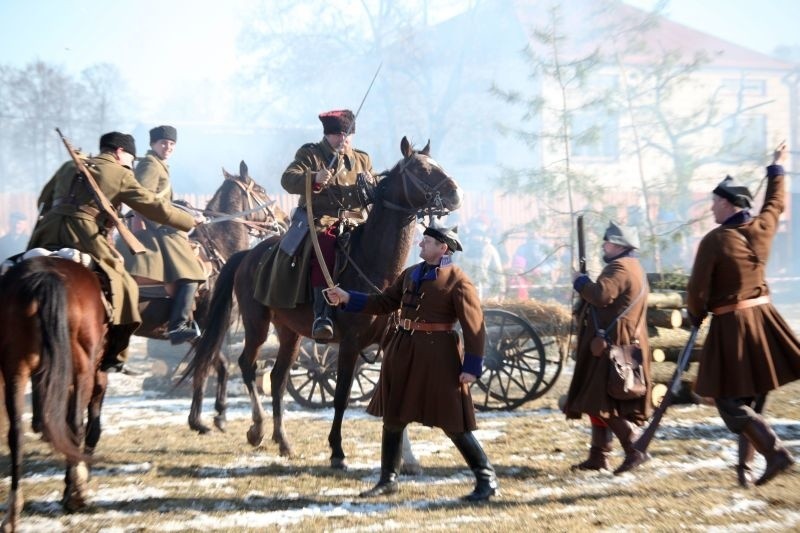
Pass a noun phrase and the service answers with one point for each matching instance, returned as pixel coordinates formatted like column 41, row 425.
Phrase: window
column 746, row 86
column 744, row 137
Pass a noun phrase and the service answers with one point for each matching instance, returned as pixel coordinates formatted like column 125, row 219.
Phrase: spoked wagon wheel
column 312, row 379
column 554, row 362
column 514, row 363
column 365, row 380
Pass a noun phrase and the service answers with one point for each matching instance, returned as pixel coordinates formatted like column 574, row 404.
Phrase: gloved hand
column 697, row 321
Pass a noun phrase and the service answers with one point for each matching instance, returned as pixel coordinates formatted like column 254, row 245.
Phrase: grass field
column 154, row 474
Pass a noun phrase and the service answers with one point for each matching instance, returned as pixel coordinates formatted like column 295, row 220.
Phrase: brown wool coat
column 169, row 256
column 618, row 285
column 750, row 351
column 65, row 225
column 283, row 280
column 419, row 375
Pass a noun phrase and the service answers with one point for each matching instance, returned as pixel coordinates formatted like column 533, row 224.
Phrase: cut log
column 658, row 355
column 665, row 300
column 664, row 338
column 665, row 318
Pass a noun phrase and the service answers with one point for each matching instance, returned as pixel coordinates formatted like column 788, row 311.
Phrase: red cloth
column 327, row 244
column 597, row 421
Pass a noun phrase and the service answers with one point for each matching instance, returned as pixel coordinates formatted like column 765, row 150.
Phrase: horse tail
column 45, row 290
column 201, row 356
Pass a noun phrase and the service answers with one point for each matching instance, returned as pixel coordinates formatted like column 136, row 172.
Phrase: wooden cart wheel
column 312, row 379
column 515, row 364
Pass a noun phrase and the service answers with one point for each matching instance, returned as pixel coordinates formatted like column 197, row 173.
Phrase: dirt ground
column 154, row 474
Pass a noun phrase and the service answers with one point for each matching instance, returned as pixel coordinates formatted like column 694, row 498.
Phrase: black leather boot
column 743, row 472
column 600, row 448
column 485, row 477
column 627, row 433
column 391, row 455
column 115, row 354
column 322, row 330
column 767, row 444
column 180, row 329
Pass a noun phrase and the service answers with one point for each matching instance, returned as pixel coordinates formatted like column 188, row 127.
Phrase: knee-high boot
column 600, row 448
column 391, row 455
column 767, row 444
column 322, row 330
column 485, row 477
column 743, row 472
column 179, row 328
column 627, row 433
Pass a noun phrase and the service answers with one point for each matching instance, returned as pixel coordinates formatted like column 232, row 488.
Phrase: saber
column 233, row 216
column 358, row 111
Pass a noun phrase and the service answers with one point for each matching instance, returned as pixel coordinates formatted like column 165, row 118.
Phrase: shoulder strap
column 622, row 314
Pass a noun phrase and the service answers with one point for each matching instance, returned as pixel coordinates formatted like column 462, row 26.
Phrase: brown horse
column 378, row 250
column 218, row 241
column 54, row 326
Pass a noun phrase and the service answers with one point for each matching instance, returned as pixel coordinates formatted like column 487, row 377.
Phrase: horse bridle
column 254, row 199
column 433, row 198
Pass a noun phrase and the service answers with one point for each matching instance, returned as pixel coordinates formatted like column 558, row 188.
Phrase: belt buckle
column 405, row 323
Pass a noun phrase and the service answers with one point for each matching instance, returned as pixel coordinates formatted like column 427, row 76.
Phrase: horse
column 378, row 249
column 261, row 217
column 54, row 328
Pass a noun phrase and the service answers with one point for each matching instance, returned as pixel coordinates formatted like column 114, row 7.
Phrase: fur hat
column 445, row 235
column 737, row 194
column 163, row 132
column 622, row 235
column 338, row 121
column 115, row 139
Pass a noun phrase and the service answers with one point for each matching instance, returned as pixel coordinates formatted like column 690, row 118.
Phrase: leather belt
column 742, row 304
column 408, row 325
column 87, row 209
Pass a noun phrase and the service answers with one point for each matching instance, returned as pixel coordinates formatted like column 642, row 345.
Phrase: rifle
column 581, row 246
column 644, row 439
column 130, row 239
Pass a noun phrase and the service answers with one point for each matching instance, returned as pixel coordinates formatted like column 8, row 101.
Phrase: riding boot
column 600, row 448
column 767, row 444
column 627, row 434
column 180, row 329
column 485, row 477
column 322, row 330
column 116, row 352
column 391, row 456
column 743, row 472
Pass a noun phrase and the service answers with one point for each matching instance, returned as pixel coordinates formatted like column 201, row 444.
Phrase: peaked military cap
column 115, row 139
column 443, row 234
column 163, row 132
column 626, row 236
column 736, row 193
column 338, row 121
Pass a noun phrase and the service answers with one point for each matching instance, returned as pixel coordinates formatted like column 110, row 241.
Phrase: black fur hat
column 163, row 132
column 737, row 194
column 115, row 139
column 444, row 234
column 338, row 121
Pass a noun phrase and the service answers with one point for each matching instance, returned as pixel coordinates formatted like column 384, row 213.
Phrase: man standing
column 749, row 350
column 616, row 313
column 169, row 258
column 334, row 166
column 71, row 218
column 426, row 374
column 16, row 239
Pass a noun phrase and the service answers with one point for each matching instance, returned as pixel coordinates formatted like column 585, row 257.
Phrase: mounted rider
column 71, row 218
column 336, row 169
column 169, row 258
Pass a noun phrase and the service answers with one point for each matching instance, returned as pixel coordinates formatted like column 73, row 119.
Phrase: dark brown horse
column 53, row 330
column 378, row 247
column 217, row 241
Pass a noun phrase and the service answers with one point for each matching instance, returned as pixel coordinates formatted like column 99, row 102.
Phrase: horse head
column 418, row 184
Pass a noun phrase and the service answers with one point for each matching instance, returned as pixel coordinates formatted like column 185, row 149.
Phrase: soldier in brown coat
column 334, row 165
column 749, row 349
column 621, row 286
column 169, row 258
column 426, row 374
column 71, row 218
